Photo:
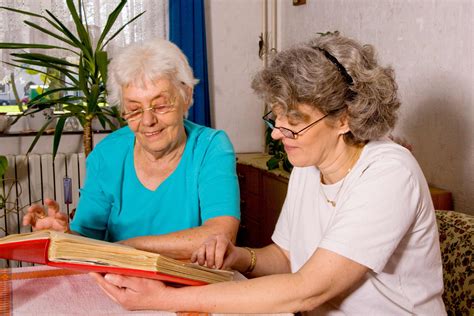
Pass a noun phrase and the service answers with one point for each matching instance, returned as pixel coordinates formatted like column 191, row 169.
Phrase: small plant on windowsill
column 279, row 158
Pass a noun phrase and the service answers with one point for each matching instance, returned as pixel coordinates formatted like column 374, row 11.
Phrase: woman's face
column 315, row 146
column 159, row 129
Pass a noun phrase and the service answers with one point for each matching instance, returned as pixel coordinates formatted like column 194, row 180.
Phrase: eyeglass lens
column 269, row 119
column 160, row 108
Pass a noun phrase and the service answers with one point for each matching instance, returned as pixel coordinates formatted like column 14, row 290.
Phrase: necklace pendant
column 333, row 203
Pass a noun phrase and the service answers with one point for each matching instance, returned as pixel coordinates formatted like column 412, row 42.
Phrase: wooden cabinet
column 261, row 198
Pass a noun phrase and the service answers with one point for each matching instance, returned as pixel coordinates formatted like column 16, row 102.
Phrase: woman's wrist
column 253, row 260
column 246, row 260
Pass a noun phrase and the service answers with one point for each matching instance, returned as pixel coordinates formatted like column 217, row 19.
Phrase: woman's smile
column 152, row 134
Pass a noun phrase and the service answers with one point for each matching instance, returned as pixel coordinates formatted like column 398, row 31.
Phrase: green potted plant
column 279, row 157
column 83, row 88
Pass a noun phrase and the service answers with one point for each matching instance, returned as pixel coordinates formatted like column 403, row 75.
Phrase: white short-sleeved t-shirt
column 383, row 219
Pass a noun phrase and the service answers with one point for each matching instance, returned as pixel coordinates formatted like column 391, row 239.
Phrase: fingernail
column 108, row 277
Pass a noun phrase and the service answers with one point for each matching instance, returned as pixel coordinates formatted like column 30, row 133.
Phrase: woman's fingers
column 210, row 245
column 53, row 207
column 212, row 252
column 200, row 255
column 34, row 213
column 37, row 218
column 221, row 249
column 110, row 289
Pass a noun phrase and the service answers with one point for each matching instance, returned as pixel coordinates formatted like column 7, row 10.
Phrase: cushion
column 456, row 235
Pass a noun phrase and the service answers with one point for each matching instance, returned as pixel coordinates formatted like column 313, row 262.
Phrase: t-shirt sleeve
column 282, row 232
column 93, row 208
column 217, row 183
column 376, row 215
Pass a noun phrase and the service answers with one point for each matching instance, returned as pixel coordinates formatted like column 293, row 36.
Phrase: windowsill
column 50, row 133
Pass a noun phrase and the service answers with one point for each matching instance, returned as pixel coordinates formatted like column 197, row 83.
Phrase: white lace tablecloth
column 43, row 290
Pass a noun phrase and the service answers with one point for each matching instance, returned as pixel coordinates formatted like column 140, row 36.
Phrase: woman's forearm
column 269, row 260
column 269, row 294
column 181, row 244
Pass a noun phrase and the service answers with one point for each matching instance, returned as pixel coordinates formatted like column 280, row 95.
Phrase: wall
column 233, row 29
column 430, row 46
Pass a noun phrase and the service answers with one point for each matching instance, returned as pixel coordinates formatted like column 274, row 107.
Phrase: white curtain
column 153, row 24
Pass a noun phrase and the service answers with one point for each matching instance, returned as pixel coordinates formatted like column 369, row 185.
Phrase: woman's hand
column 217, row 251
column 134, row 293
column 55, row 219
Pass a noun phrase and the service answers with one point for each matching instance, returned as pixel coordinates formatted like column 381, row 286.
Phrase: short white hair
column 148, row 61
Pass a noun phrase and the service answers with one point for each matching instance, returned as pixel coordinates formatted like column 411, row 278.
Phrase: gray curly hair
column 305, row 74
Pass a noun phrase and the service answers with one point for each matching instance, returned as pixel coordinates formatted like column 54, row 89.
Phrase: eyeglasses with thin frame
column 288, row 133
column 159, row 108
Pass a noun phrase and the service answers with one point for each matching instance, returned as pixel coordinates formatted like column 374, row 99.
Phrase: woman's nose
column 276, row 134
column 149, row 118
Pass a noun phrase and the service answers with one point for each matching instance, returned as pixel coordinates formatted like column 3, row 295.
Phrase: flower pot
column 37, row 120
column 4, row 122
column 20, row 126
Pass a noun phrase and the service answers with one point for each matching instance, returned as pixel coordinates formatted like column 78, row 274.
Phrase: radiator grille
column 30, row 179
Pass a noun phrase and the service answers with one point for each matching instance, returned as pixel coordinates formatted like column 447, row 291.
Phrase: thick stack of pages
column 81, row 253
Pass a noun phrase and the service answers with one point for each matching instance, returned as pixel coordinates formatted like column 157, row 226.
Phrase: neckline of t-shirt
column 175, row 171
column 352, row 171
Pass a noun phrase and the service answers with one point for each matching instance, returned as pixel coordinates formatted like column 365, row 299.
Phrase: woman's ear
column 188, row 97
column 343, row 124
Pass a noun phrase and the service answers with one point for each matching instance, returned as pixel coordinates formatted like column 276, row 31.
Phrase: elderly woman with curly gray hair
column 357, row 233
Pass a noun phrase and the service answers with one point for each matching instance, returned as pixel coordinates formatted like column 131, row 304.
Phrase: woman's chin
column 299, row 161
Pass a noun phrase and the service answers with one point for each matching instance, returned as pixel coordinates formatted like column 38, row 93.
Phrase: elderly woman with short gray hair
column 357, row 233
column 163, row 183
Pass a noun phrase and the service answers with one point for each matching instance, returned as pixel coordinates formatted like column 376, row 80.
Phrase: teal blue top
column 114, row 205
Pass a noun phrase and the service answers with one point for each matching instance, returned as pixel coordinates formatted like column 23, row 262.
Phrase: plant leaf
column 3, row 165
column 92, row 102
column 102, row 62
column 46, row 31
column 58, row 133
column 110, row 22
column 22, row 12
column 273, row 163
column 120, row 29
column 66, row 72
column 33, row 15
column 45, row 58
column 38, row 135
column 81, row 31
column 25, row 45
column 67, row 32
column 48, row 92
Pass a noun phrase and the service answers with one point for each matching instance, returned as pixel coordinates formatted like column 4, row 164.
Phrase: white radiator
column 30, row 179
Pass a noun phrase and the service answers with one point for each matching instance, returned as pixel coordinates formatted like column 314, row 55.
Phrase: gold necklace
column 353, row 161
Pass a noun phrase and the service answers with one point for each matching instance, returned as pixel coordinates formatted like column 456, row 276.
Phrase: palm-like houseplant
column 84, row 90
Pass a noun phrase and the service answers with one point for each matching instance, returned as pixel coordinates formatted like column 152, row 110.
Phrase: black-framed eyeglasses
column 269, row 119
